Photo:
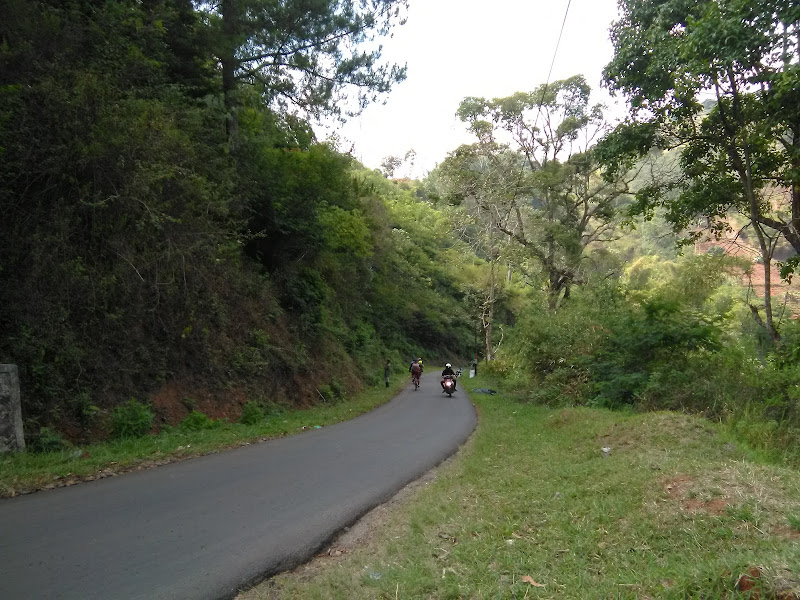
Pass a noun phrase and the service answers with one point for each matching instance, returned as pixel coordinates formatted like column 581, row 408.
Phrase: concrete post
column 11, row 435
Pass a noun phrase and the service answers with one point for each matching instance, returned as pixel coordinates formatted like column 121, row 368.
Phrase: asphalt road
column 206, row 527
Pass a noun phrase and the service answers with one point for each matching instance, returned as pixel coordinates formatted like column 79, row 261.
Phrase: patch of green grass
column 794, row 522
column 533, row 509
column 25, row 471
column 743, row 513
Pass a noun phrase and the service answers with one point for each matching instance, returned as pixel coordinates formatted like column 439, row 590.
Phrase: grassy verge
column 536, row 509
column 28, row 471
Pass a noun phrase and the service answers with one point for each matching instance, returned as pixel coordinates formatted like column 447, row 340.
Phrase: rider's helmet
column 448, row 365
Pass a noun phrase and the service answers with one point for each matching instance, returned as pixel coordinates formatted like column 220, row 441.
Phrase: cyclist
column 416, row 371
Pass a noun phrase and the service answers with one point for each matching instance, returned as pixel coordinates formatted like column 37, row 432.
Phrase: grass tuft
column 794, row 522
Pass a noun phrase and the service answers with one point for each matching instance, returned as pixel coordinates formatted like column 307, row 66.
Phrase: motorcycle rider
column 448, row 372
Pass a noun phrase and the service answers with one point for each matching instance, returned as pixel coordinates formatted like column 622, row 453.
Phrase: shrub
column 83, row 408
column 271, row 409
column 327, row 393
column 252, row 413
column 48, row 440
column 338, row 390
column 373, row 378
column 197, row 421
column 561, row 387
column 131, row 420
column 655, row 333
column 332, row 392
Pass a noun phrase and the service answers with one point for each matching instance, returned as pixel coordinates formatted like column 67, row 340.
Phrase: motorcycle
column 449, row 385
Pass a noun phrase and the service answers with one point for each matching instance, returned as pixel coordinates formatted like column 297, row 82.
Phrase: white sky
column 459, row 48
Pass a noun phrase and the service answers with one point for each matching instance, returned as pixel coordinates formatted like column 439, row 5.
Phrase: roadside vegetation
column 577, row 502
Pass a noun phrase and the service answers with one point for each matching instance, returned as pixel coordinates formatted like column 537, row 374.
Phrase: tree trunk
column 553, row 292
column 487, row 325
column 795, row 222
column 558, row 282
column 230, row 25
column 766, row 253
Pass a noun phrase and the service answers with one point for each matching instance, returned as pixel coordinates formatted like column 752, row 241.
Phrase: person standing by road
column 387, row 371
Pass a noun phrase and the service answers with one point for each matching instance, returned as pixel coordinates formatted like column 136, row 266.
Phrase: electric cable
column 552, row 63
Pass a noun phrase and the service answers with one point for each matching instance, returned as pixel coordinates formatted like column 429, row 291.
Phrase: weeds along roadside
column 25, row 472
column 536, row 508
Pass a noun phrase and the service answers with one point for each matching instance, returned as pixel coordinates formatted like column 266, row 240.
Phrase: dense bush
column 48, row 440
column 252, row 413
column 332, row 392
column 198, row 421
column 639, row 344
column 656, row 336
column 131, row 420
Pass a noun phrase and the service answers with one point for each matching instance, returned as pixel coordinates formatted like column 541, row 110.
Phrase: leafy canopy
column 720, row 80
column 317, row 56
column 534, row 175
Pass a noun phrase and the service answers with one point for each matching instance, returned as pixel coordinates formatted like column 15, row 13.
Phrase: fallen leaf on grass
column 529, row 579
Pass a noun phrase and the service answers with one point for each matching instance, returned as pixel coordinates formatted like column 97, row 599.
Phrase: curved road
column 204, row 528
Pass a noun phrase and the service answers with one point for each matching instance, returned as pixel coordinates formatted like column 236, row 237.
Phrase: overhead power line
column 552, row 63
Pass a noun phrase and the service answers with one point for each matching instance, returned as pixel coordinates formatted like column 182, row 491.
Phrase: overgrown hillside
column 182, row 239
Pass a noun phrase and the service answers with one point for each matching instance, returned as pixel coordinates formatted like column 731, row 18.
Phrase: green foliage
column 252, row 413
column 306, row 293
column 346, row 231
column 255, row 411
column 652, row 340
column 787, row 354
column 198, row 421
column 794, row 522
column 132, row 419
column 733, row 150
column 127, row 192
column 789, row 267
column 85, row 410
column 48, row 440
column 658, row 332
column 307, row 55
column 290, row 191
column 332, row 392
column 543, row 196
